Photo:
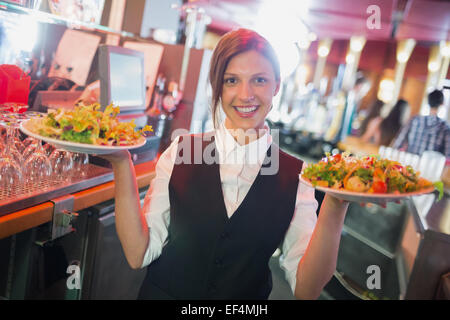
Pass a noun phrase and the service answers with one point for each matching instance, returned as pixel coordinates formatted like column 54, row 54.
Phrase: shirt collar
column 255, row 150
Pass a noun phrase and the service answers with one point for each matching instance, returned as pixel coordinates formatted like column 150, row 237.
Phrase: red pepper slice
column 379, row 186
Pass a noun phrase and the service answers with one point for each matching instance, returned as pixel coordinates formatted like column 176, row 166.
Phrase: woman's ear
column 277, row 88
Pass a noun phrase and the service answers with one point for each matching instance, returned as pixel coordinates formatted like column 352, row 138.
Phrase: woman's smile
column 246, row 111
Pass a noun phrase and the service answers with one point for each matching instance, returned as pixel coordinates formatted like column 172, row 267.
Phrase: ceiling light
column 323, row 51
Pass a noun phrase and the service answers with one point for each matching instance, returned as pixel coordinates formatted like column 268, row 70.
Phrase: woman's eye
column 260, row 80
column 230, row 81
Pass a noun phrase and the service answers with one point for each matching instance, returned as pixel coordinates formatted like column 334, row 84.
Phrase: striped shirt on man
column 424, row 133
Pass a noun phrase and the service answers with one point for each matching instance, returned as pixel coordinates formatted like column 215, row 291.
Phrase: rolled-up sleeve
column 299, row 232
column 156, row 207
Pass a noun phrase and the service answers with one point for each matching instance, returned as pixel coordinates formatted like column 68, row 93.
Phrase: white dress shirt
column 239, row 166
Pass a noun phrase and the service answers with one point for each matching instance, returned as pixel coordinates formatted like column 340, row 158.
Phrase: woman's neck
column 243, row 137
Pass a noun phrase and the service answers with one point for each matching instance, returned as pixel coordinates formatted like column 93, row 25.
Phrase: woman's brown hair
column 230, row 45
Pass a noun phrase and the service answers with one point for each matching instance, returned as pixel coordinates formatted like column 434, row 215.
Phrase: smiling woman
column 244, row 75
column 208, row 230
column 248, row 88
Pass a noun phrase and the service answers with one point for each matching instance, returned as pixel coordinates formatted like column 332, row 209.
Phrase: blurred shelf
column 46, row 17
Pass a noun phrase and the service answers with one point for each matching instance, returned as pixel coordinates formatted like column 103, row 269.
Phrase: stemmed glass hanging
column 80, row 162
column 61, row 163
column 11, row 174
column 13, row 107
column 48, row 149
column 37, row 165
column 13, row 145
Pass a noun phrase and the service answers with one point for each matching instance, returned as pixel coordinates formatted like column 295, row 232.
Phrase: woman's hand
column 117, row 157
column 338, row 202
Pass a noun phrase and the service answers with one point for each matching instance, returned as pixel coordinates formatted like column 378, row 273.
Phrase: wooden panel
column 25, row 219
column 413, row 91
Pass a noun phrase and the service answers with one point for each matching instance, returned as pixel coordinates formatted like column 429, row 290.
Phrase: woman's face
column 249, row 84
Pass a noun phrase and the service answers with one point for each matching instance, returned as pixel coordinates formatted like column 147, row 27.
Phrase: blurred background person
column 354, row 97
column 424, row 133
column 382, row 131
column 374, row 112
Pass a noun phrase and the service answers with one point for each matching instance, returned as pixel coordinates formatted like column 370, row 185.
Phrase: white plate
column 362, row 197
column 78, row 147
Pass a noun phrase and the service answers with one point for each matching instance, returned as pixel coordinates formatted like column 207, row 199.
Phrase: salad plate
column 364, row 197
column 369, row 179
column 27, row 128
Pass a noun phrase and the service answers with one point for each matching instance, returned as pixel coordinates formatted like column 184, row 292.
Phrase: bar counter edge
column 32, row 217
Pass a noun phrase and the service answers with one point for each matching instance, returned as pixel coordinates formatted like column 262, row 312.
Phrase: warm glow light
column 386, row 90
column 275, row 21
column 350, row 58
column 357, row 43
column 404, row 50
column 312, row 36
column 402, row 57
column 323, row 51
column 445, row 48
column 304, row 44
column 302, row 74
column 433, row 66
column 24, row 36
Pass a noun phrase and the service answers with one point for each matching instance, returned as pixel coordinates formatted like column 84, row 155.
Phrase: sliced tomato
column 337, row 157
column 379, row 186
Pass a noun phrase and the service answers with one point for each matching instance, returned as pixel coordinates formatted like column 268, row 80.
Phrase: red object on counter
column 14, row 85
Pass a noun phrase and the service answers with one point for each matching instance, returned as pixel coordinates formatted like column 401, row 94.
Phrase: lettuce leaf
column 439, row 185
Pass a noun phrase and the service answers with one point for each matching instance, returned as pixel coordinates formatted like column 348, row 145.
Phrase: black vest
column 211, row 256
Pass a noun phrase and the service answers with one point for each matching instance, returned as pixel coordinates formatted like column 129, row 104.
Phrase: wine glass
column 5, row 109
column 10, row 158
column 80, row 162
column 31, row 115
column 15, row 107
column 10, row 173
column 29, row 141
column 29, row 150
column 48, row 149
column 12, row 142
column 61, row 162
column 37, row 166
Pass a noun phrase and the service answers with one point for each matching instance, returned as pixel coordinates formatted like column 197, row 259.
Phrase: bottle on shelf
column 158, row 95
column 171, row 98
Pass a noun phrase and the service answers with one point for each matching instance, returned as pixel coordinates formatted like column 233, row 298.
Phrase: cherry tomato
column 337, row 157
column 379, row 186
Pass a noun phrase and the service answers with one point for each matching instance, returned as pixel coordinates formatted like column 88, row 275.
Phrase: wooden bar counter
column 32, row 217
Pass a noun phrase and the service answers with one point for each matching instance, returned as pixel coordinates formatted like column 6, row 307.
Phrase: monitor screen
column 122, row 79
